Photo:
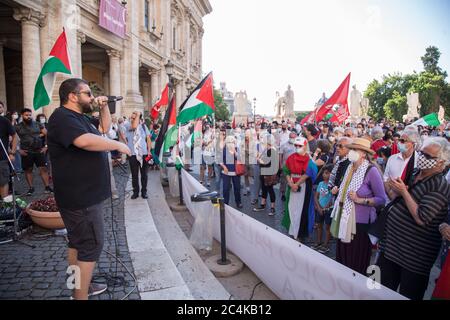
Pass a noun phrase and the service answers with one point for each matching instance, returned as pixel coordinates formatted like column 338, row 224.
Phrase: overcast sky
column 261, row 46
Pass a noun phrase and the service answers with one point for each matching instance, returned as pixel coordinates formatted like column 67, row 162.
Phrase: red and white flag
column 337, row 105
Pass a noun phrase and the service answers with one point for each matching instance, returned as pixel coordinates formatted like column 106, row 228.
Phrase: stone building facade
column 133, row 67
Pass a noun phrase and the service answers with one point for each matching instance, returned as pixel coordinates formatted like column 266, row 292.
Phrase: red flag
column 162, row 102
column 337, row 105
column 233, row 124
column 309, row 118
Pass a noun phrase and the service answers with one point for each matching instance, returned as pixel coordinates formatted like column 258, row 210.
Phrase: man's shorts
column 34, row 158
column 4, row 173
column 326, row 217
column 86, row 231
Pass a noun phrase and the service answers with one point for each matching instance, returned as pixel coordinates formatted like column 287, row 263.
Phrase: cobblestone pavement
column 40, row 272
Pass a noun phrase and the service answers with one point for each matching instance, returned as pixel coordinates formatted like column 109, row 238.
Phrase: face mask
column 15, row 116
column 291, row 141
column 380, row 161
column 42, row 121
column 402, row 147
column 353, row 156
column 332, row 139
column 447, row 134
column 300, row 151
column 424, row 164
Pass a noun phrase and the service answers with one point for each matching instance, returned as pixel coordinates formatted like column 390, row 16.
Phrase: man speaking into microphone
column 81, row 179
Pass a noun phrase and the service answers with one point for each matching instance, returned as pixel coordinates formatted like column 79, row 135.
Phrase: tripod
column 13, row 174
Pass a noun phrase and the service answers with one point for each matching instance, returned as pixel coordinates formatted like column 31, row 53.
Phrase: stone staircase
column 166, row 265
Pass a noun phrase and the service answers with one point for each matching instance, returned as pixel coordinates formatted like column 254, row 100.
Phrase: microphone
column 114, row 99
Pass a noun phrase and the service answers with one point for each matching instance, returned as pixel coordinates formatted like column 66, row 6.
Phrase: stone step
column 201, row 282
column 158, row 277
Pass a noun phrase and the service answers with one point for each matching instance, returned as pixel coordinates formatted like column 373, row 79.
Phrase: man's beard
column 27, row 121
column 86, row 107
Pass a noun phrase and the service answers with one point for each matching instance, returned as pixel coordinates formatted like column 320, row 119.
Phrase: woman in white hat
column 301, row 172
column 361, row 191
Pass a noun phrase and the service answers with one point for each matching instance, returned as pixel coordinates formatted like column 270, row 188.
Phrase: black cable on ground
column 254, row 288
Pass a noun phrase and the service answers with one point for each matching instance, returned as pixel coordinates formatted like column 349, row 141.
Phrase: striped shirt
column 411, row 246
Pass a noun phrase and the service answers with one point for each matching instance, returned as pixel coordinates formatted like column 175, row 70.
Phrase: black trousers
column 135, row 167
column 267, row 190
column 412, row 285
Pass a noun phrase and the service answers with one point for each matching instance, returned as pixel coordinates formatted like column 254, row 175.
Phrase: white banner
column 290, row 269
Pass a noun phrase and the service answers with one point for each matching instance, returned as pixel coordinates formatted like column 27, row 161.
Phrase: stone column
column 31, row 52
column 146, row 94
column 78, row 67
column 179, row 92
column 133, row 98
column 156, row 90
column 114, row 76
column 2, row 77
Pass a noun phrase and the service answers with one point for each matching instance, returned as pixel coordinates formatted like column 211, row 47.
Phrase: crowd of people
column 343, row 181
column 335, row 181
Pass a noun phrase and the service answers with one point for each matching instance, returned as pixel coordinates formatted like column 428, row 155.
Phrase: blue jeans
column 236, row 188
column 256, row 186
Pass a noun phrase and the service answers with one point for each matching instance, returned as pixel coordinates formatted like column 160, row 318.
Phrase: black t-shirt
column 6, row 130
column 80, row 177
column 29, row 134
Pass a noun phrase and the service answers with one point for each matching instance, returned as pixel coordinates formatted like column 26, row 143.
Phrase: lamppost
column 169, row 70
column 254, row 110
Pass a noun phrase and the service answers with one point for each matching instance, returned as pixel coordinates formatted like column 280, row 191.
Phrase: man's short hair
column 312, row 129
column 24, row 110
column 69, row 86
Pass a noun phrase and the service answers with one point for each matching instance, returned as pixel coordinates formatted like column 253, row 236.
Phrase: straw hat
column 361, row 144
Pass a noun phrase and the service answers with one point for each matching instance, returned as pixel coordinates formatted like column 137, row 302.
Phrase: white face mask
column 353, row 156
column 301, row 151
column 42, row 121
column 15, row 116
column 332, row 139
column 291, row 141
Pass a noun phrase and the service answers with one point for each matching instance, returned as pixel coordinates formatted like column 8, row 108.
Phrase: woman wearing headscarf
column 301, row 172
column 361, row 191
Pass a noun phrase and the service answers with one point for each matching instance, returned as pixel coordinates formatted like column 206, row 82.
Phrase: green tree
column 222, row 113
column 396, row 107
column 431, row 60
column 388, row 91
column 300, row 115
column 433, row 91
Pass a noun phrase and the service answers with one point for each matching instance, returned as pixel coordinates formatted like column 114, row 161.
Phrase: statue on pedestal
column 290, row 101
column 279, row 106
column 441, row 114
column 365, row 103
column 355, row 103
column 413, row 106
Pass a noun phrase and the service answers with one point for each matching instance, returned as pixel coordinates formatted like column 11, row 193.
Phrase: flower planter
column 47, row 220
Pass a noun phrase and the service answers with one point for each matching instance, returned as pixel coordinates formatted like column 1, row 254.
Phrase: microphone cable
column 113, row 281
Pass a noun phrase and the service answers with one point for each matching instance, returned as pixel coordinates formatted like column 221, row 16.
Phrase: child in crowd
column 323, row 200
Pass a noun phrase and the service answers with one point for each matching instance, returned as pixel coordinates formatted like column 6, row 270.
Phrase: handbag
column 270, row 180
column 240, row 168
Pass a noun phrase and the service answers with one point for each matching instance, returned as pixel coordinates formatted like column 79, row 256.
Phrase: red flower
column 45, row 205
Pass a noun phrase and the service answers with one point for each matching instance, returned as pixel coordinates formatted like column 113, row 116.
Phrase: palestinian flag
column 168, row 135
column 430, row 120
column 200, row 103
column 58, row 61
